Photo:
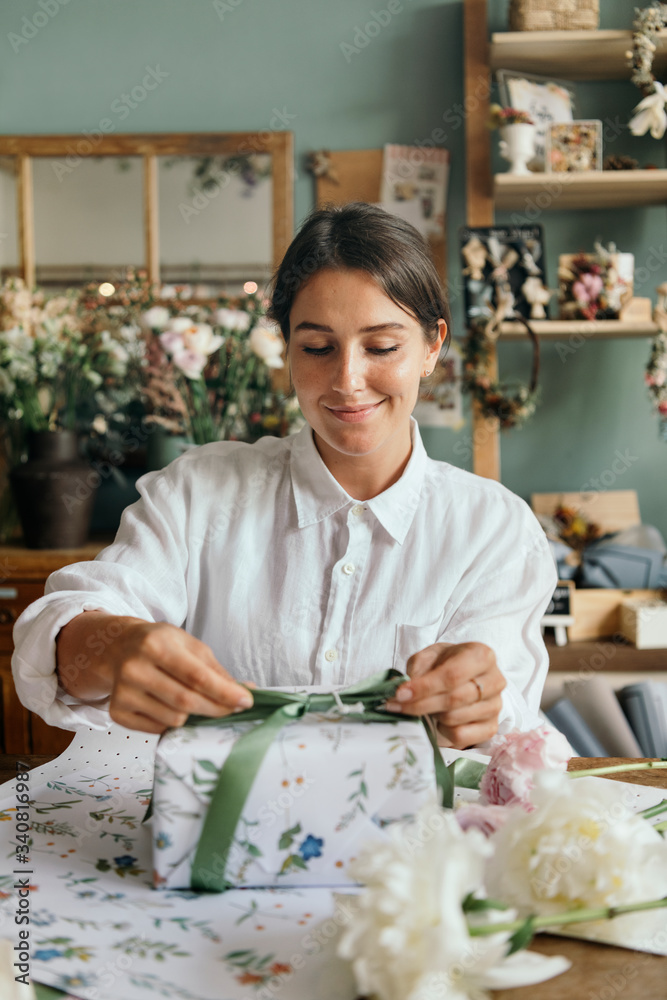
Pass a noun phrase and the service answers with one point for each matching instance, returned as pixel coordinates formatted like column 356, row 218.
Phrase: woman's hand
column 459, row 685
column 156, row 674
column 163, row 674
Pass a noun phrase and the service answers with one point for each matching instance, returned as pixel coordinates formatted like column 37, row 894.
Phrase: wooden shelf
column 571, row 55
column 619, row 656
column 561, row 329
column 593, row 189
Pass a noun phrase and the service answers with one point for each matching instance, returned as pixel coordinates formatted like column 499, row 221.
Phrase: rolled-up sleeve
column 142, row 574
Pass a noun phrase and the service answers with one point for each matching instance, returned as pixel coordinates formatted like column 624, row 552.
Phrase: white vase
column 517, row 145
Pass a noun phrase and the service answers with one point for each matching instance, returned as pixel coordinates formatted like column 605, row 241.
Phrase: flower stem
column 617, row 768
column 652, row 811
column 569, row 917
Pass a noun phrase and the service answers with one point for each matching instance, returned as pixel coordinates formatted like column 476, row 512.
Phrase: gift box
column 325, row 784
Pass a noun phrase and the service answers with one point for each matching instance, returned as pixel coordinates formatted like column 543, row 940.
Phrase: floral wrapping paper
column 325, row 786
column 99, row 930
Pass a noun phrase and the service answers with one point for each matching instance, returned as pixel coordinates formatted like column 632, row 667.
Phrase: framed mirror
column 213, row 210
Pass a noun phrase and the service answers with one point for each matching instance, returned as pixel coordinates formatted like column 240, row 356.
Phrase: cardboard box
column 596, row 611
column 644, row 623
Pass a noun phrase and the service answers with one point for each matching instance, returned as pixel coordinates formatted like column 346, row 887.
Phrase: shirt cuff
column 34, row 661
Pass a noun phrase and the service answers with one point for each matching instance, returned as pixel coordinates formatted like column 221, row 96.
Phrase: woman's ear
column 435, row 348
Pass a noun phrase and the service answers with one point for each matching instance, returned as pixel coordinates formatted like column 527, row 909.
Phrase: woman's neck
column 366, row 476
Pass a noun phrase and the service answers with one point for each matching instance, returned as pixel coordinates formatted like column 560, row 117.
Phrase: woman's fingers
column 461, row 737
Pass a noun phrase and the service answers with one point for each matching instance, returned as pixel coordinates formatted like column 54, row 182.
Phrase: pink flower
column 488, row 819
column 662, row 407
column 587, row 288
column 514, row 760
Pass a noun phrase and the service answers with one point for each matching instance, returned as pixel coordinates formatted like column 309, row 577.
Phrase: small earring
column 427, row 372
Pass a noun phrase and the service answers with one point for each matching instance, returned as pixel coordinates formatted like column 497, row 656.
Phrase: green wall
column 233, row 65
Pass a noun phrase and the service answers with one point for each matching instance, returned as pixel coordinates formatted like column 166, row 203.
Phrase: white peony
column 156, row 318
column 233, row 319
column 580, row 846
column 268, row 345
column 408, row 937
column 650, row 113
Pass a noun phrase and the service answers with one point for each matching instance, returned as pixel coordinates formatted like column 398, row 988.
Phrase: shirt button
column 349, row 569
column 331, row 655
column 358, row 510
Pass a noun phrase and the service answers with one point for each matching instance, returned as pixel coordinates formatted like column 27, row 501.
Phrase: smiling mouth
column 354, row 414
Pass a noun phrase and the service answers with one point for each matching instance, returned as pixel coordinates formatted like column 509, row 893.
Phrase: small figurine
column 537, row 295
column 474, row 254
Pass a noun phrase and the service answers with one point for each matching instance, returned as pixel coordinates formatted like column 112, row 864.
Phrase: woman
column 316, row 559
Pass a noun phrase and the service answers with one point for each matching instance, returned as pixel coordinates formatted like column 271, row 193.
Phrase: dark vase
column 54, row 492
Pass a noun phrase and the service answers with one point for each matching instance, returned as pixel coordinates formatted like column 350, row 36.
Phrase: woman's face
column 356, row 359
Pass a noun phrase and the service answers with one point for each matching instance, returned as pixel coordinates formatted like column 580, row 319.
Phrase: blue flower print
column 125, row 861
column 44, row 954
column 311, row 847
column 162, row 840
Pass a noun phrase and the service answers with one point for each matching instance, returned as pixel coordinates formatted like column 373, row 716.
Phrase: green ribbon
column 278, row 709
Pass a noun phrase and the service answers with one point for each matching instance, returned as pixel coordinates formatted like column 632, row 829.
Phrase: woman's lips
column 354, row 414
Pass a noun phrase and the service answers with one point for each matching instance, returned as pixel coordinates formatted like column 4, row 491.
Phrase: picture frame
column 497, row 261
column 546, row 100
column 574, row 147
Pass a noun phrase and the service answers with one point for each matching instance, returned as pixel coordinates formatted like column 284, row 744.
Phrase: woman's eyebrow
column 320, row 328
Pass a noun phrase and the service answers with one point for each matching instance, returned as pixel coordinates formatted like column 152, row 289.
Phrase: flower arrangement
column 590, row 286
column 54, row 367
column 451, row 901
column 209, row 370
column 650, row 114
column 655, row 378
column 499, row 117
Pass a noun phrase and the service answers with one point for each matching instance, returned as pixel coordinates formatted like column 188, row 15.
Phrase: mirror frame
column 280, row 145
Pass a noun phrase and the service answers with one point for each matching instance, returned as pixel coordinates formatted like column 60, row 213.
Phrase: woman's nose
column 349, row 374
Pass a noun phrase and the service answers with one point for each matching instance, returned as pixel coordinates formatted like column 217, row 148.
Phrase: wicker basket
column 554, row 15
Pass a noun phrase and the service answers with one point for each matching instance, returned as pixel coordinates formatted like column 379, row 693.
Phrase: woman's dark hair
column 363, row 237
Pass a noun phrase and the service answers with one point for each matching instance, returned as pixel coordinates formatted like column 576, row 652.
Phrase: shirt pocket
column 413, row 638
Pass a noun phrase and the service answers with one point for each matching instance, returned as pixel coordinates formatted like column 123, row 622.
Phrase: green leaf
column 254, row 851
column 208, row 765
column 522, row 938
column 411, row 757
column 363, row 789
column 472, row 905
column 354, row 774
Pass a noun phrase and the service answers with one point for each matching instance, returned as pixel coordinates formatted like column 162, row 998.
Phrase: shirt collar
column 318, row 495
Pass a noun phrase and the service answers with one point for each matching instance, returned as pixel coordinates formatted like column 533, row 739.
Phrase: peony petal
column 524, row 968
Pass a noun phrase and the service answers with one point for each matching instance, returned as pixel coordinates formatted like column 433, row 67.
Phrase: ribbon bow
column 362, row 701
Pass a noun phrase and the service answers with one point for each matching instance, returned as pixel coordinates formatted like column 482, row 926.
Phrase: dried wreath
column 512, row 404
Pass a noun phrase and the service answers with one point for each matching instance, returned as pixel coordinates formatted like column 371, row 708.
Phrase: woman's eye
column 382, row 350
column 317, row 351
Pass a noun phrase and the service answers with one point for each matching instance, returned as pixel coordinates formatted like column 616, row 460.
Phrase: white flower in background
column 7, row 386
column 16, row 339
column 168, row 292
column 580, row 846
column 233, row 319
column 190, row 345
column 94, row 378
column 650, row 113
column 156, row 318
column 267, row 344
column 100, row 425
column 130, row 333
column 408, row 938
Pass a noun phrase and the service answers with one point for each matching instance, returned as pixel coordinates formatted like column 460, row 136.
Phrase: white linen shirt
column 258, row 551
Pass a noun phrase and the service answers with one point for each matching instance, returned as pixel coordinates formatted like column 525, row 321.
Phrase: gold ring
column 480, row 688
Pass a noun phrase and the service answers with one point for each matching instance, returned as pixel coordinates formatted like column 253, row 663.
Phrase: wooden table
column 599, row 971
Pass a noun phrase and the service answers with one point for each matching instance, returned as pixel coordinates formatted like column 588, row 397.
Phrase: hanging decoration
column 650, row 114
column 511, row 403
